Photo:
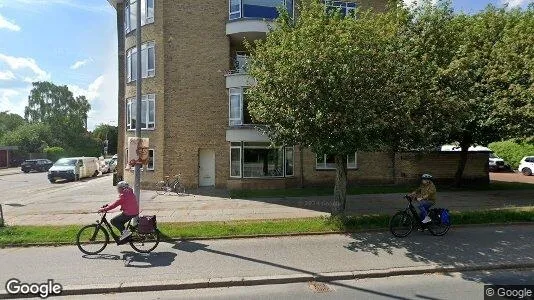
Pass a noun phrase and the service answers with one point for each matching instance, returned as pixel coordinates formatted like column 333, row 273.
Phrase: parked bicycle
column 170, row 186
column 93, row 239
column 404, row 221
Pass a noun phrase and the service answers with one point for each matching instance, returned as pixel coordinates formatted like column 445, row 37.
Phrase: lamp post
column 137, row 184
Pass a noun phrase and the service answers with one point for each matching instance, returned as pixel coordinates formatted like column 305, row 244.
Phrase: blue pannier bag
column 445, row 217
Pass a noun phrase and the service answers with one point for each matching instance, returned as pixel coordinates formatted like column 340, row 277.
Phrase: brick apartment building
column 194, row 108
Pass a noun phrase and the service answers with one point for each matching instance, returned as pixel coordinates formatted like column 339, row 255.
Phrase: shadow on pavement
column 149, row 260
column 508, row 245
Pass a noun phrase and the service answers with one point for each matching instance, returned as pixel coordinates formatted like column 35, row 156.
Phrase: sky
column 74, row 43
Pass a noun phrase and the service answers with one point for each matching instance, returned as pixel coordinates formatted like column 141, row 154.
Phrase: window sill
column 142, row 129
column 133, row 81
column 348, row 169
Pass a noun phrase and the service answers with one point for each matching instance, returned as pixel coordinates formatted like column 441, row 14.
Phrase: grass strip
column 19, row 235
column 360, row 190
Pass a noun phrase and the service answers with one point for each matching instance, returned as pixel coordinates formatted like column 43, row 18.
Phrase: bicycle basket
column 147, row 224
column 441, row 214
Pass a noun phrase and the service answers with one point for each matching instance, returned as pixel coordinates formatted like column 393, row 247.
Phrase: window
column 263, row 9
column 256, row 160
column 148, row 68
column 344, row 8
column 126, row 166
column 327, row 162
column 238, row 106
column 150, row 165
column 148, row 112
column 235, row 160
column 130, row 14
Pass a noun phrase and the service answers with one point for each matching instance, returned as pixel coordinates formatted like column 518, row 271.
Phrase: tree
column 56, row 106
column 107, row 132
column 30, row 138
column 319, row 84
column 9, row 122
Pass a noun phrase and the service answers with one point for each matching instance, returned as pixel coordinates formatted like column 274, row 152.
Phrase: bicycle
column 167, row 186
column 404, row 221
column 96, row 235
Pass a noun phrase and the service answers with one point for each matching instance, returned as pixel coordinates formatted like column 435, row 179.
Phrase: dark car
column 39, row 165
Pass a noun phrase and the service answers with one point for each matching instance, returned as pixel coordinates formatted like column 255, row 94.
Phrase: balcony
column 251, row 19
column 249, row 133
column 238, row 76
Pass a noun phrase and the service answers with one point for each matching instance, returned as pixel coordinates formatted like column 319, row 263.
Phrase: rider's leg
column 424, row 206
column 119, row 221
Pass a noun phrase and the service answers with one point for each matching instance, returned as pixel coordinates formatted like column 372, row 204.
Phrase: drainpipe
column 1, row 216
column 137, row 185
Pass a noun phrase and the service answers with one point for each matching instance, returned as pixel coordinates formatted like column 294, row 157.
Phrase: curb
column 269, row 280
column 258, row 236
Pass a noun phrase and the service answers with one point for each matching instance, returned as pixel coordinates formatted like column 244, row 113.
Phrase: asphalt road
column 428, row 286
column 282, row 256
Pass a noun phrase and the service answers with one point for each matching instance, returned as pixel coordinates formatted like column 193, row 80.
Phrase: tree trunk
column 301, row 157
column 340, row 189
column 393, row 166
column 1, row 216
column 461, row 164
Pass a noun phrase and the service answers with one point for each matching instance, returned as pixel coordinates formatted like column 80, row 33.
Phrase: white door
column 206, row 167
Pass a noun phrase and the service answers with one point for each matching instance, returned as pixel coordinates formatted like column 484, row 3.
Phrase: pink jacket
column 127, row 202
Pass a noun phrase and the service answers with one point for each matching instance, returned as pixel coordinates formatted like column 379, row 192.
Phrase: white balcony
column 246, row 133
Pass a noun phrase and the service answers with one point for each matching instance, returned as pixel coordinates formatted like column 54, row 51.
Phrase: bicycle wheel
column 144, row 242
column 436, row 227
column 401, row 224
column 92, row 239
column 178, row 188
column 161, row 188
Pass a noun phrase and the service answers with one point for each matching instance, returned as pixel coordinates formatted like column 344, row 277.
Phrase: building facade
column 194, row 107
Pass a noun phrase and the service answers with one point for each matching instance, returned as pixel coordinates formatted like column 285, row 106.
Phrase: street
column 469, row 285
column 305, row 257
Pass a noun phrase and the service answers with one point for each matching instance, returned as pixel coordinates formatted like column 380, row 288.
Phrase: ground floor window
column 327, row 162
column 257, row 160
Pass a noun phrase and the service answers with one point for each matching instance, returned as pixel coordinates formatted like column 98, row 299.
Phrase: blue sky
column 74, row 43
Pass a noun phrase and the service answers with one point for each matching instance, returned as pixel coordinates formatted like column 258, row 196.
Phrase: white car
column 526, row 166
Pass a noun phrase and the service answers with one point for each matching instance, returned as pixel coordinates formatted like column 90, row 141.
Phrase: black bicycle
column 93, row 239
column 404, row 221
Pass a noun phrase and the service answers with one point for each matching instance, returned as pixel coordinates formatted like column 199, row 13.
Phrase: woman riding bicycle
column 129, row 207
column 426, row 195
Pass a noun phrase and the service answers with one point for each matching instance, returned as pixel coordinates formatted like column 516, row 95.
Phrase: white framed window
column 151, row 160
column 327, row 162
column 130, row 14
column 235, row 9
column 236, row 107
column 235, row 160
column 260, row 160
column 344, row 7
column 148, row 62
column 148, row 112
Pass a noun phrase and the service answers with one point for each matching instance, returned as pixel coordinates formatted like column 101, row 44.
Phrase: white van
column 74, row 168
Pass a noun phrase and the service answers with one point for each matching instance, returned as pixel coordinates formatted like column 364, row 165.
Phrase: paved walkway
column 10, row 171
column 227, row 262
column 196, row 208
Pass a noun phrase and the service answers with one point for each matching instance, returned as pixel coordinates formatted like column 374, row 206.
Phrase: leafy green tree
column 111, row 133
column 54, row 153
column 320, row 84
column 30, row 138
column 56, row 106
column 9, row 122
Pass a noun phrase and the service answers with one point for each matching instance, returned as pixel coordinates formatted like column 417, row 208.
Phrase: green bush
column 512, row 151
column 54, row 153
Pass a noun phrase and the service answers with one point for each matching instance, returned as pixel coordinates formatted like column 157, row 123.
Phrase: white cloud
column 14, row 100
column 7, row 75
column 92, row 92
column 5, row 24
column 80, row 64
column 23, row 63
column 515, row 3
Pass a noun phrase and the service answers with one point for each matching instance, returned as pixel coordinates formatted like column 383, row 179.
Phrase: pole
column 137, row 185
column 1, row 216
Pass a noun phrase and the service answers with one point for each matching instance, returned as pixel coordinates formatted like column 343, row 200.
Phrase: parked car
column 38, row 165
column 74, row 168
column 104, row 166
column 112, row 164
column 495, row 163
column 526, row 166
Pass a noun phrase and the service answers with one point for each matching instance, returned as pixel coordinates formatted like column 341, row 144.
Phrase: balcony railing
column 261, row 9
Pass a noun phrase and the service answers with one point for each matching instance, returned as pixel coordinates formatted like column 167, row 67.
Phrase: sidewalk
column 10, row 171
column 198, row 208
column 210, row 263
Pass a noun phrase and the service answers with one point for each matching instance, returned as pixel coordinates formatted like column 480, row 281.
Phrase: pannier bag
column 147, row 224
